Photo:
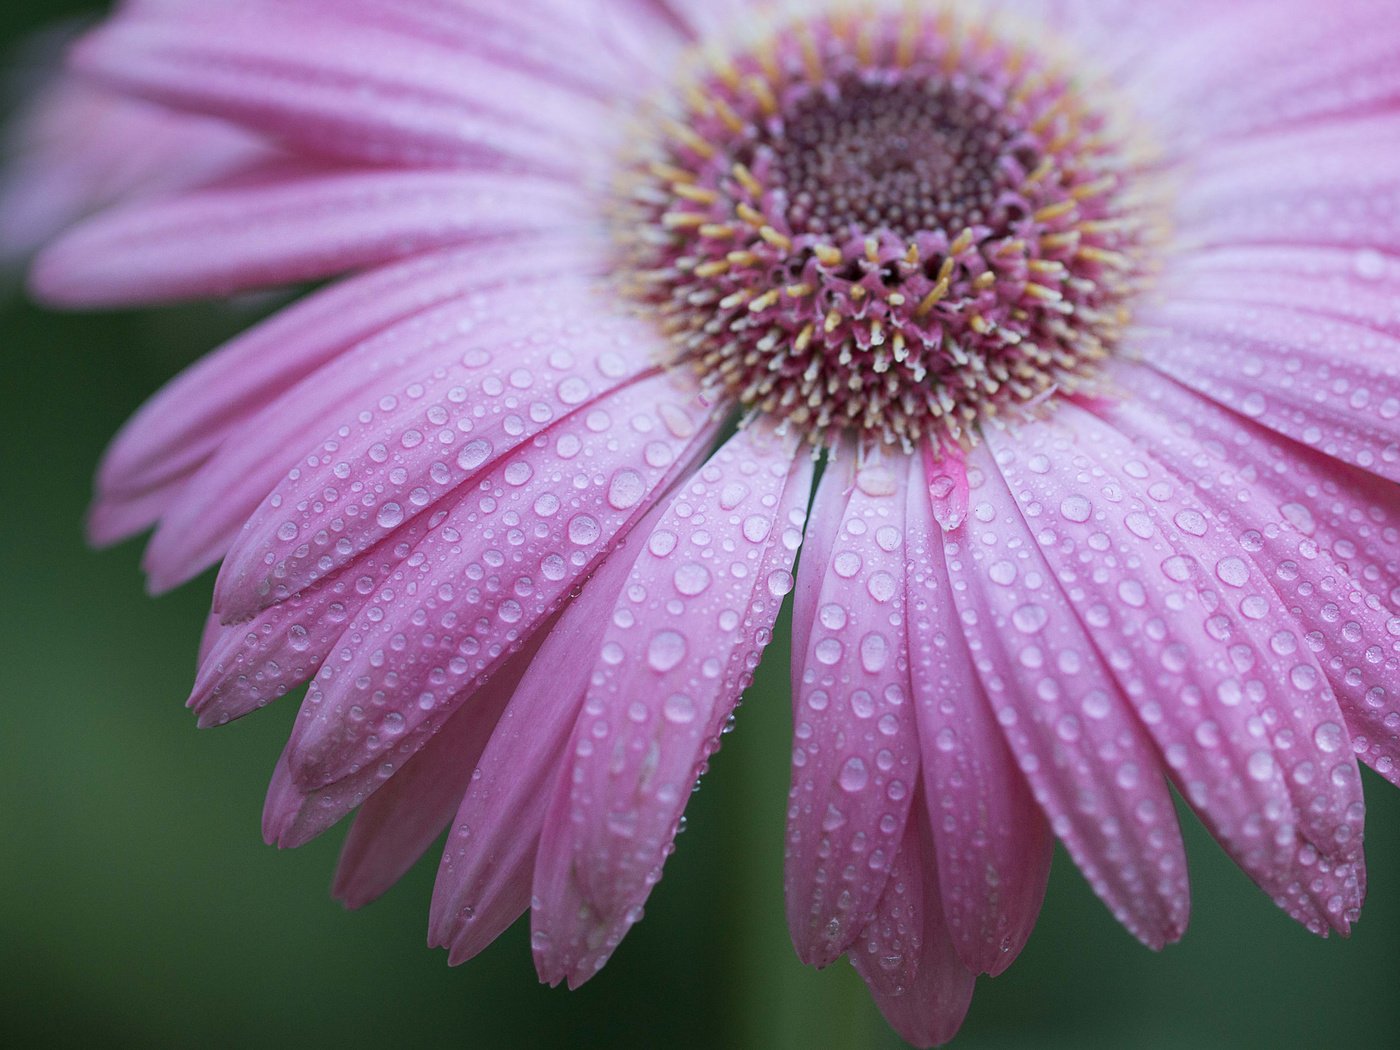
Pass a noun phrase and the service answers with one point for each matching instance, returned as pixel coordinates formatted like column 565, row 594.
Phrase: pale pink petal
column 177, row 431
column 1254, row 68
column 353, row 88
column 1325, row 184
column 1187, row 627
column 930, row 1009
column 679, row 649
column 483, row 882
column 484, row 582
column 1305, row 375
column 400, row 821
column 1359, row 286
column 1289, row 509
column 855, row 761
column 591, row 45
column 69, row 155
column 123, row 515
column 496, row 370
column 1091, row 766
column 291, row 223
column 991, row 840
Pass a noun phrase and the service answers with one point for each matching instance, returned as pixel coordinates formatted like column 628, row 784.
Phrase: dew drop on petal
column 667, row 649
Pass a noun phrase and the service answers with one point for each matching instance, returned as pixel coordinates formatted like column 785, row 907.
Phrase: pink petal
column 407, row 416
column 354, row 88
column 247, row 665
column 483, row 883
column 1091, row 766
column 399, row 822
column 930, row 1009
column 1302, row 374
column 680, row 648
column 282, row 645
column 1295, row 516
column 855, row 745
column 291, row 223
column 177, row 431
column 479, row 583
column 497, row 372
column 888, row 951
column 992, row 843
column 1187, row 627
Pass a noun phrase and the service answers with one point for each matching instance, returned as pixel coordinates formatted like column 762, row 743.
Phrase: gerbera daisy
column 1083, row 314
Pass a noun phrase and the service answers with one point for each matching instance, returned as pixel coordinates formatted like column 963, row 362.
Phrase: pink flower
column 1091, row 308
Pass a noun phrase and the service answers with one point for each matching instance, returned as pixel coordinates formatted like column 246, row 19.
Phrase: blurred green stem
column 781, row 1004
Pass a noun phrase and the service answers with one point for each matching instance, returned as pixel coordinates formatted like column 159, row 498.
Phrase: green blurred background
column 139, row 907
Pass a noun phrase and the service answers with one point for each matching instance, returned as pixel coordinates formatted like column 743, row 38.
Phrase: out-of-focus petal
column 353, row 88
column 284, row 223
column 1324, row 184
column 69, row 155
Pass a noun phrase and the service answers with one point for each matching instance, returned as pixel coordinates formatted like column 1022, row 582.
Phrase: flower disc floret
column 898, row 226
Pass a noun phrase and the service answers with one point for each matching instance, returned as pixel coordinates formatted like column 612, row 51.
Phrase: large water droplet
column 854, row 776
column 667, row 649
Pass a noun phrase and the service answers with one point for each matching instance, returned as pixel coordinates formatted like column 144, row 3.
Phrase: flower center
column 897, row 226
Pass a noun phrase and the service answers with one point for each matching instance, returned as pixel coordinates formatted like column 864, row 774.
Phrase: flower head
column 1083, row 314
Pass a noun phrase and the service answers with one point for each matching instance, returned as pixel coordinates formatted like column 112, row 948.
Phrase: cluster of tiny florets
column 896, row 226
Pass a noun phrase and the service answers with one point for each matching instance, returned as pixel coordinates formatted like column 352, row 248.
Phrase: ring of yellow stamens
column 894, row 225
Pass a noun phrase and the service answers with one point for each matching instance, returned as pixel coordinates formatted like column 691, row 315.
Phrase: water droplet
column 473, row 454
column 1191, row 522
column 1232, row 571
column 691, row 579
column 1261, row 765
column 1329, row 738
column 1029, row 619
column 679, row 709
column 626, row 489
column 1369, row 264
column 1076, row 508
column 584, row 529
column 854, row 776
column 881, row 586
column 667, row 649
column 874, row 652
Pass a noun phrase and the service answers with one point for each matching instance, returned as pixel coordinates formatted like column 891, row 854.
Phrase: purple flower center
column 894, row 226
column 902, row 157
